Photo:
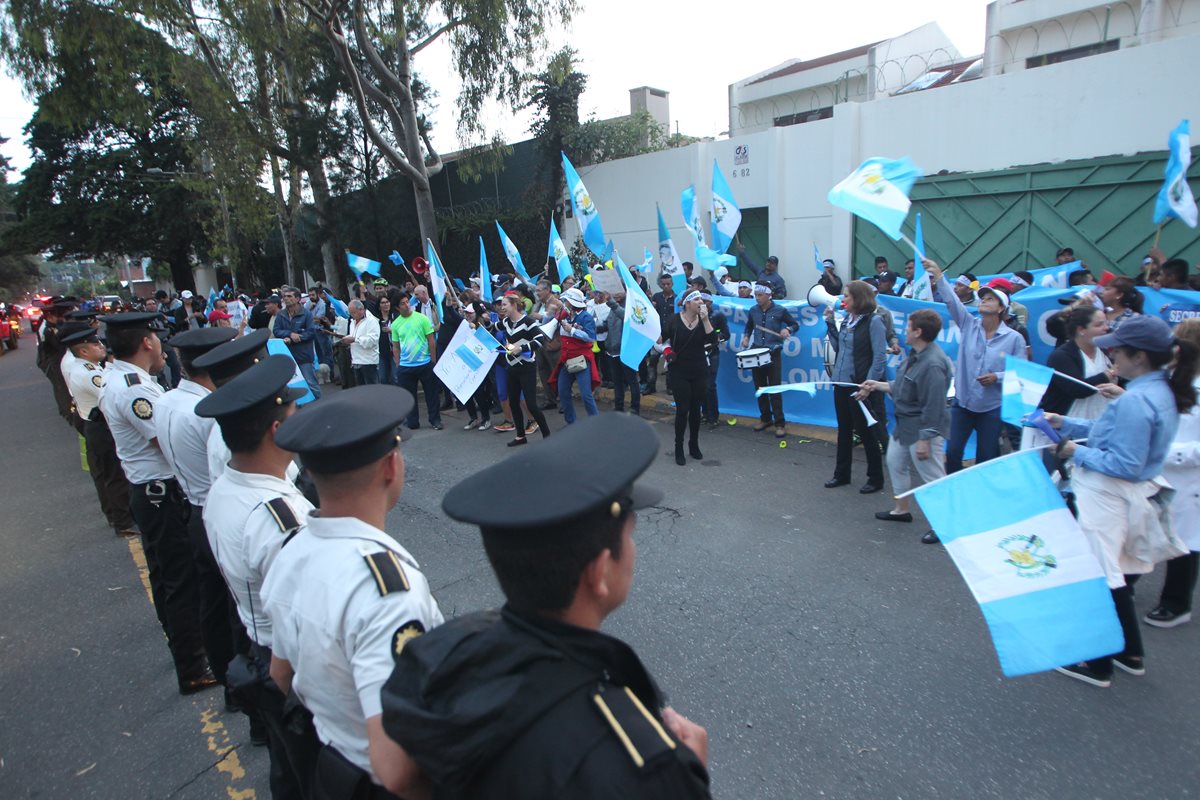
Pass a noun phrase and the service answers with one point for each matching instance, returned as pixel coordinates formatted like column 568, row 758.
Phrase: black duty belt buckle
column 156, row 491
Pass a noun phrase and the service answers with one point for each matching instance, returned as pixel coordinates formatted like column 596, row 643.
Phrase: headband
column 743, row 284
column 762, row 288
column 692, row 295
column 1017, row 280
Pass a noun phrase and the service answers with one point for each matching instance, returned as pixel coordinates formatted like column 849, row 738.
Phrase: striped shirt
column 526, row 334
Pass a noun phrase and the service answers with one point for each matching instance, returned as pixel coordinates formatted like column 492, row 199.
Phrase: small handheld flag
column 514, row 255
column 726, row 216
column 361, row 265
column 878, row 192
column 585, row 210
column 817, row 260
column 1175, row 199
column 558, row 252
column 437, row 275
column 339, row 308
column 691, row 214
column 1024, row 384
column 396, row 258
column 641, row 327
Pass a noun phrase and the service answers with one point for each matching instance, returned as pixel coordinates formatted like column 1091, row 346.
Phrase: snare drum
column 754, row 357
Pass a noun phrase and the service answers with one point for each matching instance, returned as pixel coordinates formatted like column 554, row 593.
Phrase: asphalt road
column 827, row 654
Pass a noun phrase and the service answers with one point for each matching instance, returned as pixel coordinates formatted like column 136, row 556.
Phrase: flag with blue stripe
column 558, row 252
column 920, row 280
column 485, row 276
column 878, row 192
column 396, row 258
column 1024, row 384
column 361, row 265
column 817, row 260
column 339, row 308
column 641, row 327
column 668, row 256
column 691, row 214
column 437, row 275
column 514, row 255
column 1175, row 199
column 1042, row 592
column 278, row 347
column 726, row 216
column 585, row 210
column 213, row 297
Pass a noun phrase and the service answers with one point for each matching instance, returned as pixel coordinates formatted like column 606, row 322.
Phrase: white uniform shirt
column 84, row 380
column 245, row 538
column 364, row 350
column 336, row 628
column 67, row 362
column 183, row 438
column 127, row 400
column 219, row 455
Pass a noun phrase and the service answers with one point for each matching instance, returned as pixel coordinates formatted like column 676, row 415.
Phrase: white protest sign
column 466, row 360
column 606, row 280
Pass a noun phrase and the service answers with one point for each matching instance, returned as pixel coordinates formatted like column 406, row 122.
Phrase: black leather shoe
column 694, row 451
column 205, row 680
column 870, row 488
column 930, row 538
column 833, row 483
column 887, row 516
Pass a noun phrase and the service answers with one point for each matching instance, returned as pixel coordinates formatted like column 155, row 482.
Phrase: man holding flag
column 767, row 275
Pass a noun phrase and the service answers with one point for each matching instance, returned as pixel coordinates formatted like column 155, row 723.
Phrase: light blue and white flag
column 920, row 280
column 878, row 192
column 558, row 252
column 437, row 275
column 514, row 255
column 647, row 261
column 726, row 216
column 339, row 308
column 1024, row 384
column 1026, row 561
column 212, row 297
column 278, row 347
column 691, row 214
column 1175, row 199
column 396, row 258
column 585, row 210
column 668, row 256
column 485, row 276
column 361, row 265
column 820, row 265
column 641, row 327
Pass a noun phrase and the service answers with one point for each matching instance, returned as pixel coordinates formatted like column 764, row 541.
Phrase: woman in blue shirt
column 1114, row 471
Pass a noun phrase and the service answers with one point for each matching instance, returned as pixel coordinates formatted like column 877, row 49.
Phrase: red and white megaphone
column 819, row 296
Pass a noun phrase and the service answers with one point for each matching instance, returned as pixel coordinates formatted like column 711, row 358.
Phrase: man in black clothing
column 533, row 701
column 664, row 303
column 712, row 412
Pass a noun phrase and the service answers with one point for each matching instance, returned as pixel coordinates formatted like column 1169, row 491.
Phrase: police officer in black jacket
column 533, row 701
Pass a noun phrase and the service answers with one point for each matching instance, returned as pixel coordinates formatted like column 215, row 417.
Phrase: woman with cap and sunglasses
column 686, row 337
column 1116, row 476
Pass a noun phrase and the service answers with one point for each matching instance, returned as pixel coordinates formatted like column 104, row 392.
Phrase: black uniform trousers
column 770, row 405
column 339, row 779
column 850, row 420
column 219, row 621
column 161, row 512
column 111, row 486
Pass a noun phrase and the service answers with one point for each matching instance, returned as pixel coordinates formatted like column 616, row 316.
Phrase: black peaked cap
column 348, row 430
column 150, row 320
column 264, row 383
column 72, row 327
column 594, row 463
column 82, row 336
column 233, row 357
column 201, row 340
column 79, row 314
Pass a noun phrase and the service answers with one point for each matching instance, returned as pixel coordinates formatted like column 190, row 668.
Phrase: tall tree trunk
column 295, row 199
column 284, row 219
column 326, row 223
column 422, row 192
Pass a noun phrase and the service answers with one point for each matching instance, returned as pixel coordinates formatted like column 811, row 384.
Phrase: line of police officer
column 329, row 618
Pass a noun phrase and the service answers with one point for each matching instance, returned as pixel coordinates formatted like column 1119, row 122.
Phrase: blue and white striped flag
column 278, row 347
column 1026, row 561
column 641, row 327
column 585, row 210
column 726, row 216
column 437, row 275
column 1175, row 199
column 817, row 260
column 691, row 214
column 1024, row 384
column 514, row 255
column 668, row 256
column 361, row 264
column 339, row 308
column 878, row 192
column 558, row 252
column 920, row 280
column 485, row 276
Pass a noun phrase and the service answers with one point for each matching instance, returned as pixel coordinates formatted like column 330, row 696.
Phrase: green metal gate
column 989, row 222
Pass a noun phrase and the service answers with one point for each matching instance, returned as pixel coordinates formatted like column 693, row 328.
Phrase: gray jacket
column 919, row 395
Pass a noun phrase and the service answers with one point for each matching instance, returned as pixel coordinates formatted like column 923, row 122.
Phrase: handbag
column 577, row 364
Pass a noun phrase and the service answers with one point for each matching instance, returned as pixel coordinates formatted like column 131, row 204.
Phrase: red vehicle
column 10, row 327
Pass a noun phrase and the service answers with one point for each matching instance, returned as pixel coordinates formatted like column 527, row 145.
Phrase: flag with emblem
column 584, row 209
column 514, row 255
column 1175, row 199
column 1025, row 559
column 878, row 192
column 558, row 253
column 668, row 256
column 641, row 327
column 485, row 275
column 361, row 265
column 691, row 214
column 1024, row 384
column 726, row 216
column 437, row 274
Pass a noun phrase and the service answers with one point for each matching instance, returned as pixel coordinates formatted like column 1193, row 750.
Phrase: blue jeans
column 584, row 379
column 365, row 374
column 387, row 369
column 408, row 378
column 324, row 347
column 985, row 424
column 310, row 377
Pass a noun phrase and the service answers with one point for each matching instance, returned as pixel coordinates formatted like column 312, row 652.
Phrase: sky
column 694, row 52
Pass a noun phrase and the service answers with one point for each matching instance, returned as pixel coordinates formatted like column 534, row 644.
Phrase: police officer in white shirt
column 224, row 363
column 343, row 596
column 127, row 400
column 251, row 510
column 84, row 380
column 183, row 437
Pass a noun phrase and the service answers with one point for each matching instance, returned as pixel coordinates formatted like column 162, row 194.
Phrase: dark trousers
column 479, row 405
column 652, row 359
column 216, row 606
column 1123, row 600
column 985, row 424
column 1180, row 583
column 387, row 367
column 365, row 374
column 161, row 513
column 712, row 412
column 522, row 380
column 770, row 405
column 293, row 747
column 408, row 378
column 850, row 420
column 688, row 393
column 624, row 378
column 336, row 778
column 546, row 361
column 111, row 486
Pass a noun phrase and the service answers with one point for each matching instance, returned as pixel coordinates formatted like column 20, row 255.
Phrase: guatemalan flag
column 726, row 216
column 361, row 265
column 1026, row 561
column 668, row 256
column 485, row 276
column 558, row 253
column 278, row 347
column 920, row 280
column 437, row 275
column 514, row 255
column 691, row 213
column 1175, row 199
column 339, row 308
column 1024, row 384
column 585, row 210
column 878, row 192
column 641, row 326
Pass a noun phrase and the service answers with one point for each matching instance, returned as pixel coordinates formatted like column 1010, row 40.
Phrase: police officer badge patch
column 409, row 630
column 97, row 381
column 142, row 408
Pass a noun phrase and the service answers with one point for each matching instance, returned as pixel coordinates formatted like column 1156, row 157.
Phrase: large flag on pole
column 1024, row 384
column 1026, row 561
column 691, row 214
column 437, row 275
column 641, row 326
column 558, row 252
column 668, row 256
column 1175, row 199
column 585, row 210
column 339, row 308
column 726, row 216
column 514, row 255
column 361, row 264
column 920, row 280
column 878, row 192
column 485, row 276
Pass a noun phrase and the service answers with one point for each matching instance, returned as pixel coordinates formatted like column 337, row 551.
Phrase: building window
column 1073, row 53
column 806, row 116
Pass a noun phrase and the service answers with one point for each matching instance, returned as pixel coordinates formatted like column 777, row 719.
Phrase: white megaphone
column 819, row 296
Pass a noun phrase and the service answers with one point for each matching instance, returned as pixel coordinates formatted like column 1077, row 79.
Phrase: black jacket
column 504, row 705
column 1059, row 395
